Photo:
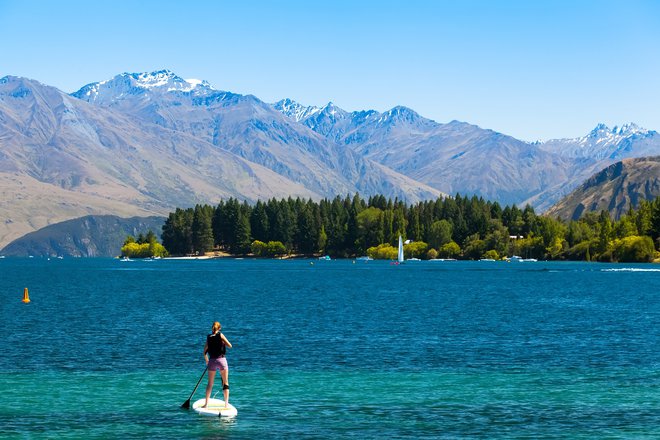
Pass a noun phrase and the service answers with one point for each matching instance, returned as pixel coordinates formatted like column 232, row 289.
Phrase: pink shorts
column 218, row 364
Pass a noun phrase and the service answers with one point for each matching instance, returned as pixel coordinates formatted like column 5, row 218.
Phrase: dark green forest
column 452, row 227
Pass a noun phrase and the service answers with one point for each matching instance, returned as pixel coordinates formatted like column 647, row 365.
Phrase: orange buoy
column 26, row 297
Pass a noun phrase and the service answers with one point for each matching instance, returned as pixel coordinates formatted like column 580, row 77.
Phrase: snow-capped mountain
column 161, row 81
column 294, row 110
column 291, row 138
column 144, row 142
column 460, row 157
column 329, row 120
column 349, row 127
column 252, row 129
column 454, row 157
column 604, row 143
column 61, row 158
column 591, row 153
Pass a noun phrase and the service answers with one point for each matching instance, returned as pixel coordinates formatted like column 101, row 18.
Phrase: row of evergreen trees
column 452, row 227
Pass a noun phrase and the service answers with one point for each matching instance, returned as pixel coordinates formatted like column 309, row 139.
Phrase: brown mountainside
column 62, row 158
column 248, row 127
column 615, row 189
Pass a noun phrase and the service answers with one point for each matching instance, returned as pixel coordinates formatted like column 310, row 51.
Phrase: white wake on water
column 630, row 269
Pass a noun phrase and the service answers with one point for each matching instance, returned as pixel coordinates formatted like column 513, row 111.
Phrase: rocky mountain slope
column 459, row 157
column 88, row 236
column 251, row 129
column 61, row 158
column 600, row 148
column 615, row 189
column 143, row 143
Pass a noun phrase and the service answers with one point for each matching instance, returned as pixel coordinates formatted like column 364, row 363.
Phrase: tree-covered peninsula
column 452, row 227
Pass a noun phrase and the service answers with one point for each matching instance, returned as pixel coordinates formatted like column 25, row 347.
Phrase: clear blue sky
column 530, row 69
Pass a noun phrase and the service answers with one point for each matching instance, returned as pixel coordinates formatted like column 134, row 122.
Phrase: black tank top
column 216, row 345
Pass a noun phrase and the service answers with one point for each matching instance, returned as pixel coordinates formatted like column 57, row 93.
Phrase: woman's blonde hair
column 216, row 327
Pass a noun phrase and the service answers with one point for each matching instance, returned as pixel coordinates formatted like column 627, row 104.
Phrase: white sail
column 400, row 256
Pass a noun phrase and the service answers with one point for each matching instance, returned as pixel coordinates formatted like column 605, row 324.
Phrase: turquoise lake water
column 111, row 349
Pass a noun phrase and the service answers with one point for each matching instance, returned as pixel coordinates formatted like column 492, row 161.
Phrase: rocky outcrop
column 615, row 189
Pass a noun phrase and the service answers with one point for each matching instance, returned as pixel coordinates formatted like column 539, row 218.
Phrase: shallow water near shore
column 331, row 348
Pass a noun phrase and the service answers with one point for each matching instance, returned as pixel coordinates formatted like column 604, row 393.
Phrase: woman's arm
column 227, row 343
column 206, row 349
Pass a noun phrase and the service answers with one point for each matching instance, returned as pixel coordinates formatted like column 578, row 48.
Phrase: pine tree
column 218, row 224
column 150, row 237
column 307, row 231
column 177, row 232
column 337, row 225
column 654, row 229
column 259, row 223
column 242, row 238
column 202, row 230
column 605, row 233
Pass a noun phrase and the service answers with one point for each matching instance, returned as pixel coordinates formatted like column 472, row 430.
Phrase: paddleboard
column 215, row 408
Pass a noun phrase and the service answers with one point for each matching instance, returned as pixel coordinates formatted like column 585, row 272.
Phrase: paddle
column 186, row 404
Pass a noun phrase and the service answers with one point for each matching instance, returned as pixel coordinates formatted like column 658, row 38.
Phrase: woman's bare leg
column 209, row 386
column 225, row 381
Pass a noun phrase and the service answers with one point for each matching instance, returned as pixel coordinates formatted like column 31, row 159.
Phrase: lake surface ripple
column 110, row 349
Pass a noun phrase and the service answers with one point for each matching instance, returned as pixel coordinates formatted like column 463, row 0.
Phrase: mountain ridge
column 97, row 161
column 615, row 189
column 252, row 129
column 142, row 143
column 70, row 158
column 455, row 157
column 87, row 236
column 458, row 157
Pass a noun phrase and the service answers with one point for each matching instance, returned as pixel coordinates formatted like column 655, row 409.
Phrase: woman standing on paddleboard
column 215, row 348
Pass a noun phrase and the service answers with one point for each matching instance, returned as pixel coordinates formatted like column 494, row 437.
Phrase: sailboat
column 399, row 258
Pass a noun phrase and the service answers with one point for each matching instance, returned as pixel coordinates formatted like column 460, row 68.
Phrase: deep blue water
column 331, row 348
